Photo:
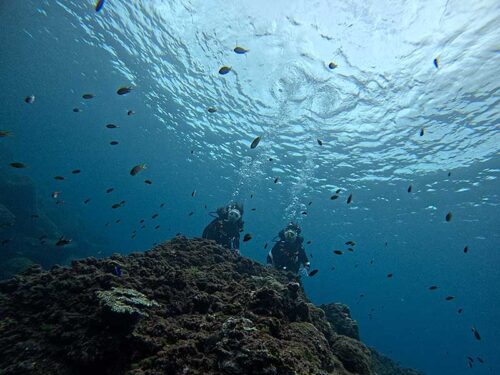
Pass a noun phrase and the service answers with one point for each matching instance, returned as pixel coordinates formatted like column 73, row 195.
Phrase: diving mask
column 290, row 235
column 233, row 215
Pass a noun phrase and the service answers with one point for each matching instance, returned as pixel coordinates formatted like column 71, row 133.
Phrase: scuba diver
column 226, row 227
column 288, row 253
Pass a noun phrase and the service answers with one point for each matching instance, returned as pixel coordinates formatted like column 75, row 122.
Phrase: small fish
column 142, row 221
column 253, row 209
column 224, row 70
column 117, row 221
column 310, row 255
column 265, row 245
column 30, row 99
column 148, row 182
column 350, row 249
column 308, row 242
column 338, row 191
column 112, row 126
column 240, row 50
column 18, row 165
column 448, row 216
column 110, row 190
column 470, row 359
column 55, row 194
column 304, row 212
column 35, row 216
column 162, row 205
column 332, row 65
column 449, row 174
column 157, row 227
column 449, row 298
column 466, row 249
column 116, row 205
column 350, row 243
column 422, row 132
column 320, row 142
column 5, row 133
column 460, row 311
column 86, row 201
column 480, row 359
column 349, row 199
column 113, row 143
column 271, row 159
column 247, row 237
column 333, row 197
column 75, row 171
column 211, row 110
column 123, row 90
column 476, row 333
column 255, row 142
column 154, row 216
column 191, row 213
column 137, row 169
column 436, row 62
column 88, row 96
column 62, row 241
column 276, row 180
column 338, row 252
column 117, row 271
column 58, row 178
column 389, row 275
column 193, row 193
column 409, row 189
column 310, row 203
column 433, row 287
column 130, row 112
column 313, row 272
column 76, row 110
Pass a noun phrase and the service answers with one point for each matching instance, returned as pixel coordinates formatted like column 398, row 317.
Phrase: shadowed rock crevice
column 185, row 307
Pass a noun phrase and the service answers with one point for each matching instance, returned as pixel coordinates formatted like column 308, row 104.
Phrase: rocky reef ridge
column 184, row 307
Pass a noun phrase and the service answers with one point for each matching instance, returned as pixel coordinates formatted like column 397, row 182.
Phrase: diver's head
column 291, row 232
column 234, row 212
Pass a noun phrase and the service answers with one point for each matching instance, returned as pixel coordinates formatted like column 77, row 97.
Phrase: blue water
column 368, row 112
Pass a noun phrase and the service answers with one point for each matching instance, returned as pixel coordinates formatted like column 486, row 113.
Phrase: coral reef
column 339, row 317
column 184, row 307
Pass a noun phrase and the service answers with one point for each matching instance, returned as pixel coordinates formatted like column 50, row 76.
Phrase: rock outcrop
column 185, row 307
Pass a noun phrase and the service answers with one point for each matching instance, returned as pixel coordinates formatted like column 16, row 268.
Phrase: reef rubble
column 187, row 306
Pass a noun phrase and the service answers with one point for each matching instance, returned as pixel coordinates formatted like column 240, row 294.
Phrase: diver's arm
column 209, row 230
column 303, row 257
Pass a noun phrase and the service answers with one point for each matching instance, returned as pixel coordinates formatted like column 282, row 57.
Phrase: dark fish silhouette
column 276, row 180
column 436, row 62
column 449, row 298
column 409, row 189
column 333, row 197
column 240, row 50
column 350, row 243
column 113, row 143
column 193, row 193
column 480, row 359
column 76, row 110
column 389, row 275
column 123, row 90
column 154, row 216
column 148, row 182
column 87, row 96
column 338, row 191
column 349, row 199
column 320, row 142
column 476, row 333
column 86, row 201
column 211, row 110
column 110, row 190
column 18, row 165
column 30, row 99
column 99, row 4
column 63, row 242
column 265, row 245
column 448, row 216
column 338, row 252
column 137, row 169
column 433, row 287
column 466, row 249
column 255, row 142
column 308, row 242
column 224, row 70
column 191, row 213
column 76, row 171
column 332, row 65
column 460, row 311
column 112, row 126
column 313, row 272
column 247, row 237
column 59, row 178
column 422, row 132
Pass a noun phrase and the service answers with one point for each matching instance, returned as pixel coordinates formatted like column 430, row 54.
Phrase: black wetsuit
column 289, row 255
column 224, row 232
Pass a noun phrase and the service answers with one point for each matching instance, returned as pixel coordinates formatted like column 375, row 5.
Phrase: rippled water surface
column 386, row 116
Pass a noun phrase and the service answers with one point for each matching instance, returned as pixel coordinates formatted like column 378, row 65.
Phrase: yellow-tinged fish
column 137, row 169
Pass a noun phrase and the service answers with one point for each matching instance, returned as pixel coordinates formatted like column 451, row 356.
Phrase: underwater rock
column 381, row 365
column 340, row 318
column 184, row 307
column 12, row 266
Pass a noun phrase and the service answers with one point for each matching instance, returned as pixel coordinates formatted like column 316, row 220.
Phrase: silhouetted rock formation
column 339, row 317
column 185, row 307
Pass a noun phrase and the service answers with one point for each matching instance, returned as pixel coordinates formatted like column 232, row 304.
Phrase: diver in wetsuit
column 226, row 227
column 288, row 253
